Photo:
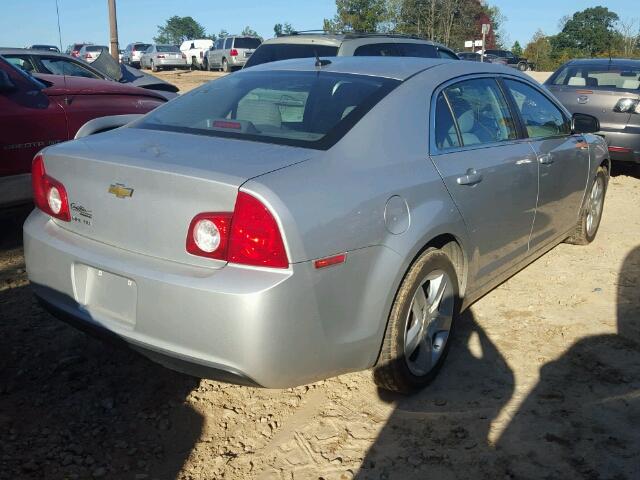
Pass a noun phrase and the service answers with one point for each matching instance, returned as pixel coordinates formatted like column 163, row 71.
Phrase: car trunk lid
column 139, row 189
column 596, row 102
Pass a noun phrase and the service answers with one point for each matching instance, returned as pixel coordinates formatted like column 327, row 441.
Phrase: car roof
column 30, row 51
column 398, row 68
column 339, row 38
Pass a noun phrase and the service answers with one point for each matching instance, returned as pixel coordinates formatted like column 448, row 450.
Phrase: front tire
column 420, row 325
column 591, row 213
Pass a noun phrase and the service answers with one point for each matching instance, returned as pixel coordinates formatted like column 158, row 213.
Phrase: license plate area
column 105, row 295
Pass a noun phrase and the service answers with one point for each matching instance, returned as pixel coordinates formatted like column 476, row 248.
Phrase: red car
column 47, row 109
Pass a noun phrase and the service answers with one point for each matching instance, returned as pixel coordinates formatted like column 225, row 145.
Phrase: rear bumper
column 624, row 145
column 238, row 61
column 250, row 326
column 15, row 189
column 171, row 62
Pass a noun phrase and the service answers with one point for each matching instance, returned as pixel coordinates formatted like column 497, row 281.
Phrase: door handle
column 470, row 178
column 546, row 159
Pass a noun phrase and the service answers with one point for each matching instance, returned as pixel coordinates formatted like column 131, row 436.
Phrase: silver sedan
column 160, row 57
column 306, row 218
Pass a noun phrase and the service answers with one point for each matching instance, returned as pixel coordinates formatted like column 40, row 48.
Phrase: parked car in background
column 48, row 48
column 206, row 249
column 305, row 45
column 74, row 49
column 520, row 63
column 194, row 50
column 40, row 110
column 160, row 57
column 89, row 53
column 131, row 54
column 104, row 68
column 608, row 89
column 230, row 53
column 477, row 57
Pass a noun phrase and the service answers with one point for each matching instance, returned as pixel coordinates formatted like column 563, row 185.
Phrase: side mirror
column 6, row 85
column 583, row 123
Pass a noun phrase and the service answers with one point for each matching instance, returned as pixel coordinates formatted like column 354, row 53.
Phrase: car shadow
column 76, row 407
column 626, row 169
column 428, row 433
column 579, row 421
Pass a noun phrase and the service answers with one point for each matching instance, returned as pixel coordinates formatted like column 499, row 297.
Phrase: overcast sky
column 25, row 22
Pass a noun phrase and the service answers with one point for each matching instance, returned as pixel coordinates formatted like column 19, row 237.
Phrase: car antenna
column 319, row 62
column 64, row 76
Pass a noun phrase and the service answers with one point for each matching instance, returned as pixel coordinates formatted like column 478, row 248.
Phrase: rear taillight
column 49, row 195
column 248, row 236
column 233, row 52
column 627, row 105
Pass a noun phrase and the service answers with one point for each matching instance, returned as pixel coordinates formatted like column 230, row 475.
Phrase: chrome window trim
column 433, row 148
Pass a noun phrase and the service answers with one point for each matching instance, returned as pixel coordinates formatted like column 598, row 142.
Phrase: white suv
column 194, row 50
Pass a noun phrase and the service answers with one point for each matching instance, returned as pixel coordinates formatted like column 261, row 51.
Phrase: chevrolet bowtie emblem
column 120, row 191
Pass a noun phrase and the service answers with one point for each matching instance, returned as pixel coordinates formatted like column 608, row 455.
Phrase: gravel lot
column 543, row 381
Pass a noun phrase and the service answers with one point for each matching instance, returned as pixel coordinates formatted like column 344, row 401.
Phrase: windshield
column 307, row 109
column 246, row 42
column 167, row 48
column 604, row 76
column 95, row 48
column 283, row 51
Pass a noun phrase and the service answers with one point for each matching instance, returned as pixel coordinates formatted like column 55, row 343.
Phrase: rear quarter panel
column 336, row 203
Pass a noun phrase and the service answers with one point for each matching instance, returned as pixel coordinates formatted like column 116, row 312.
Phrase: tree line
column 178, row 29
column 593, row 32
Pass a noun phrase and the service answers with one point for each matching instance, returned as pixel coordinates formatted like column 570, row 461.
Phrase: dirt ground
column 542, row 381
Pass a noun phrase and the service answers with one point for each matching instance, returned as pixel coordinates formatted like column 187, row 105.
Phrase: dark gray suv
column 609, row 90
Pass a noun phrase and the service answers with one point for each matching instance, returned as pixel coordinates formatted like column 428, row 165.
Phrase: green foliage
column 516, row 49
column 283, row 29
column 588, row 32
column 357, row 16
column 223, row 33
column 250, row 32
column 178, row 29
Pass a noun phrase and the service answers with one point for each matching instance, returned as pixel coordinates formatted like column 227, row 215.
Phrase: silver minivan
column 230, row 52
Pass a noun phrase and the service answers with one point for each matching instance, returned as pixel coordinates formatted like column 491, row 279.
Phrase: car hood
column 67, row 85
column 108, row 66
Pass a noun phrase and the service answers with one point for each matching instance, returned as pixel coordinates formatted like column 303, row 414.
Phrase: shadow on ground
column 75, row 407
column 580, row 421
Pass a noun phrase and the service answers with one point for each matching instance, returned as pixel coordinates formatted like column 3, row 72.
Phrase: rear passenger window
column 378, row 50
column 227, row 43
column 447, row 55
column 422, row 50
column 445, row 129
column 481, row 112
column 541, row 117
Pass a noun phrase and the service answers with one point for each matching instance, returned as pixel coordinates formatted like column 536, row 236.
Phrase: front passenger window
column 541, row 117
column 481, row 112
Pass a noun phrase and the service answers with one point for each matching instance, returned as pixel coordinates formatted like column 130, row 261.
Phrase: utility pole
column 113, row 29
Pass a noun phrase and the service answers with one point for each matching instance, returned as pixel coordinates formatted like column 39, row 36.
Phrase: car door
column 489, row 171
column 29, row 121
column 563, row 161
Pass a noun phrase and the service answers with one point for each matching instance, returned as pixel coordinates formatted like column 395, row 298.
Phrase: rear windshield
column 167, row 48
column 246, row 42
column 283, row 51
column 307, row 109
column 605, row 76
column 141, row 47
column 95, row 48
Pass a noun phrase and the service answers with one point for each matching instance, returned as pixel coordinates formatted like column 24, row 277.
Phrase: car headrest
column 577, row 82
column 631, row 84
column 592, row 82
column 259, row 112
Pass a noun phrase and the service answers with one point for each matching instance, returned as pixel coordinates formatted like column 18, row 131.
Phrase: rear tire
column 205, row 64
column 420, row 325
column 523, row 67
column 225, row 66
column 153, row 67
column 591, row 212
